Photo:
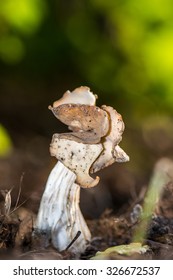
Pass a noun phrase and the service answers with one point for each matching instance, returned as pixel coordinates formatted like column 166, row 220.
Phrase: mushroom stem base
column 59, row 214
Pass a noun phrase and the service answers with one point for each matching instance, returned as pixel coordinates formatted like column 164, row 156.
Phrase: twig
column 20, row 188
column 74, row 239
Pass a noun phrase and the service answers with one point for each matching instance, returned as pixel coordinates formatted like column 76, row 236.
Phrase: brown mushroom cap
column 93, row 142
column 88, row 123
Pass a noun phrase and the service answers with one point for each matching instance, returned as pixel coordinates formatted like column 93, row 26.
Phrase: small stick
column 75, row 238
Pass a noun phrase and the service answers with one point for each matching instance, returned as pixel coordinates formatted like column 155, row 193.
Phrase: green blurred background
column 121, row 49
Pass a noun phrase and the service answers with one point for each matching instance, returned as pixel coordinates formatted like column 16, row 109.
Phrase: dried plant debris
column 26, row 218
column 8, row 231
column 118, row 230
column 117, row 235
column 161, row 230
column 16, row 224
column 16, row 230
column 5, row 205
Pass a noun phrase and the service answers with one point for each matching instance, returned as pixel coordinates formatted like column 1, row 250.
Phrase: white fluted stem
column 59, row 213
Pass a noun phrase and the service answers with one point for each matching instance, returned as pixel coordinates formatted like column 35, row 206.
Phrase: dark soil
column 110, row 228
column 16, row 241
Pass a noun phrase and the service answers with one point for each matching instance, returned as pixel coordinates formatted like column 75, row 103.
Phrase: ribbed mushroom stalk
column 91, row 146
column 59, row 212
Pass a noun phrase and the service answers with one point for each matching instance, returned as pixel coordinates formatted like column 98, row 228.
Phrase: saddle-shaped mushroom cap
column 90, row 126
column 88, row 123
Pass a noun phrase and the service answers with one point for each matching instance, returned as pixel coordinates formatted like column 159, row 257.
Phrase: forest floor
column 107, row 230
column 17, row 242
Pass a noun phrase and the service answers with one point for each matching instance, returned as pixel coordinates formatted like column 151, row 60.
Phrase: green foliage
column 18, row 18
column 24, row 15
column 11, row 49
column 121, row 49
column 5, row 142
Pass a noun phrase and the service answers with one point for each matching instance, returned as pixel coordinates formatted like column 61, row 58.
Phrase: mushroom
column 92, row 144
